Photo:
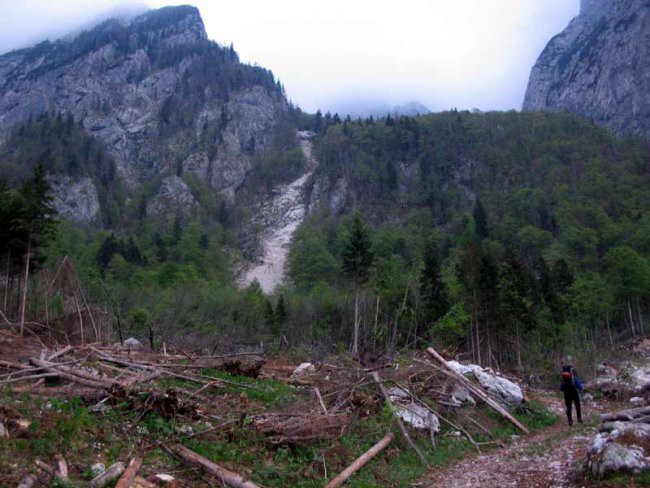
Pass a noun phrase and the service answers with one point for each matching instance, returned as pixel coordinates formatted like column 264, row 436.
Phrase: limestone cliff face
column 159, row 95
column 599, row 67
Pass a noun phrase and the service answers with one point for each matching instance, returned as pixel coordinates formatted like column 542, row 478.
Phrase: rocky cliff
column 161, row 98
column 599, row 67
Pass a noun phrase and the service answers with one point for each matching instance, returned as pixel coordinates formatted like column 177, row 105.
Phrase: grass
column 67, row 427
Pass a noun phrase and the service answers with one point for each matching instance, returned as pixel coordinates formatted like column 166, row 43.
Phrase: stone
column 97, row 469
column 132, row 343
column 174, row 199
column 3, row 430
column 462, row 395
column 616, row 458
column 501, row 389
column 165, row 479
column 598, row 67
column 412, row 412
column 75, row 200
column 636, row 400
column 304, row 369
column 587, row 397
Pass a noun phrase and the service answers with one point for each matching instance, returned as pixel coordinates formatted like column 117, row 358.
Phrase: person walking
column 571, row 386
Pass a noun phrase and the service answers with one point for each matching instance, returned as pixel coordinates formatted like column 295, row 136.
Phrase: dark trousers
column 571, row 396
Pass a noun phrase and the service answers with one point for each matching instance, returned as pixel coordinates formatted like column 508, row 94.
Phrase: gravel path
column 548, row 458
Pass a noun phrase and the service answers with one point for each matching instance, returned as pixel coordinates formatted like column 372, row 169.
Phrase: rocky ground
column 549, row 458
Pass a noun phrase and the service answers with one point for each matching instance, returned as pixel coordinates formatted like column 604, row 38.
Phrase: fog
column 461, row 54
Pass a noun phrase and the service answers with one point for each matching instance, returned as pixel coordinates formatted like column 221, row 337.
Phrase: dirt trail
column 548, row 458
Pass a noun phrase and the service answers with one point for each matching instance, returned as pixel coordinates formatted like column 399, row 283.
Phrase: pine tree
column 480, row 220
column 357, row 260
column 34, row 224
column 435, row 303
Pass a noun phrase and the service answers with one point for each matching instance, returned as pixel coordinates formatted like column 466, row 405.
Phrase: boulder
column 616, row 458
column 498, row 387
column 304, row 369
column 132, row 343
column 412, row 412
column 619, row 450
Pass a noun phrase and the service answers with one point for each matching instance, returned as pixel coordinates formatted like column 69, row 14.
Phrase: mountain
column 163, row 101
column 599, row 67
column 360, row 107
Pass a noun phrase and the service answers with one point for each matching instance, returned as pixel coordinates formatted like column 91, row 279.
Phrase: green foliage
column 357, row 255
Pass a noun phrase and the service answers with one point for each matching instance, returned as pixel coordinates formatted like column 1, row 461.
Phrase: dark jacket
column 575, row 383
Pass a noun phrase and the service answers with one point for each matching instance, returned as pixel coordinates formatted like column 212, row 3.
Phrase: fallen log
column 626, row 415
column 75, row 375
column 129, row 473
column 409, row 441
column 478, row 392
column 107, row 476
column 225, row 476
column 361, row 461
column 28, row 481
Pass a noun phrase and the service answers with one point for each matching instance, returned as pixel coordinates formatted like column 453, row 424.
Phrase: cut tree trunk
column 225, row 476
column 129, row 473
column 361, row 461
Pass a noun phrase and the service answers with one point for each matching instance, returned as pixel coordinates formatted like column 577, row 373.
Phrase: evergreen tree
column 480, row 220
column 435, row 303
column 34, row 224
column 357, row 260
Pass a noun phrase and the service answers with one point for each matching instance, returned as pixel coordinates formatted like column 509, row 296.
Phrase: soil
column 549, row 458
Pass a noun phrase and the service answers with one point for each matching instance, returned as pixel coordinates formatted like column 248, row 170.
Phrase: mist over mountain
column 359, row 107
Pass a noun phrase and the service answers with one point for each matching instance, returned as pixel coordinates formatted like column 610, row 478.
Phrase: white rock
column 132, row 343
column 97, row 469
column 498, row 387
column 165, row 478
column 617, row 457
column 3, row 431
column 587, row 397
column 462, row 395
column 412, row 412
column 303, row 369
column 636, row 400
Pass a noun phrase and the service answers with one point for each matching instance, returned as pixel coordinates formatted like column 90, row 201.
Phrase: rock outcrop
column 75, row 200
column 155, row 91
column 599, row 67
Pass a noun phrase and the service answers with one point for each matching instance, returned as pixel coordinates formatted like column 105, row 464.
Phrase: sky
column 445, row 54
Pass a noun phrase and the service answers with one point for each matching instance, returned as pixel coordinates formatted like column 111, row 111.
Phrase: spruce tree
column 357, row 260
column 480, row 220
column 435, row 303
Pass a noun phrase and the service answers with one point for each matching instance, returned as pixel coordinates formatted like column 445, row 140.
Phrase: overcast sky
column 444, row 53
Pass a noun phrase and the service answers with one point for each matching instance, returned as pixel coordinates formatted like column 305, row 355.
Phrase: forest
column 513, row 238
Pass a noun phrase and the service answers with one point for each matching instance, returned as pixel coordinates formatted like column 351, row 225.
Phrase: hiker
column 571, row 386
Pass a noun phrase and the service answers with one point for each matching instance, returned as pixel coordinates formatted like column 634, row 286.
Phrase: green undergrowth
column 67, row 427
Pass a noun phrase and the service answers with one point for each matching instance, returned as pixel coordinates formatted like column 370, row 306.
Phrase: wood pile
column 301, row 428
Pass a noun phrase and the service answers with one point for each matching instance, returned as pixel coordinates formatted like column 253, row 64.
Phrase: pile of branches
column 301, row 428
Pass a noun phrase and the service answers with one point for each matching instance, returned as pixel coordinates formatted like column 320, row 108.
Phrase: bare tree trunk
column 7, row 281
column 355, row 340
column 374, row 331
column 632, row 326
column 609, row 330
column 81, row 320
column 638, row 309
column 23, row 299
